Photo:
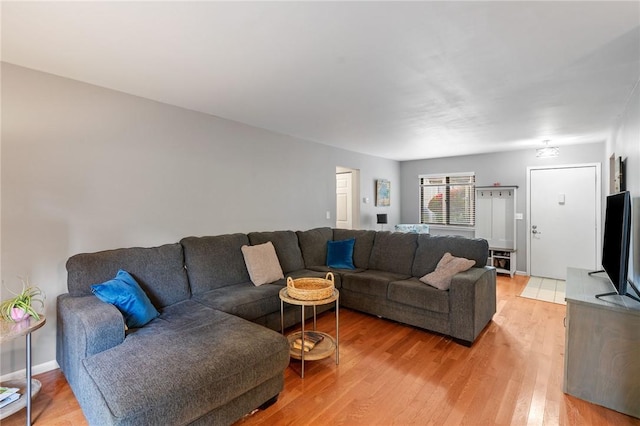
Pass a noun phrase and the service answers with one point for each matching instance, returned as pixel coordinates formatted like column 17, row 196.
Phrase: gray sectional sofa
column 214, row 353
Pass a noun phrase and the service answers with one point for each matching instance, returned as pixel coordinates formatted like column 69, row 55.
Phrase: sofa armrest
column 472, row 298
column 86, row 326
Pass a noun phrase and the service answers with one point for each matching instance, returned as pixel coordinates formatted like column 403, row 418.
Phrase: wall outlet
column 328, row 214
column 519, row 216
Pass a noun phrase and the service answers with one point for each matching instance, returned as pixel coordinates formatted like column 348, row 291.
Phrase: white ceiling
column 401, row 80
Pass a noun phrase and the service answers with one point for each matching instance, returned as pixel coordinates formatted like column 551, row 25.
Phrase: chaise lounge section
column 214, row 353
column 191, row 365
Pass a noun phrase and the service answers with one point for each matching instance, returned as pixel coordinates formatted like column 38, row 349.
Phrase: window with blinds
column 448, row 199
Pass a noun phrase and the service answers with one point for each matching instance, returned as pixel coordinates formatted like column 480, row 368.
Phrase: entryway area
column 563, row 220
column 545, row 289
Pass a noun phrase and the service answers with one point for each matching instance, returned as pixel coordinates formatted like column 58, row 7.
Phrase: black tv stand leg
column 613, row 293
column 601, row 295
column 635, row 289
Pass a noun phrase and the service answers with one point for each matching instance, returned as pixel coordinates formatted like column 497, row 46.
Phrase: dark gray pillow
column 215, row 261
column 313, row 244
column 393, row 252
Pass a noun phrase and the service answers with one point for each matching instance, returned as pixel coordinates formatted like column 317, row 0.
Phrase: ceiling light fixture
column 547, row 151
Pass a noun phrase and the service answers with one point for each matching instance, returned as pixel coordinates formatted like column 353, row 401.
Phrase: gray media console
column 602, row 346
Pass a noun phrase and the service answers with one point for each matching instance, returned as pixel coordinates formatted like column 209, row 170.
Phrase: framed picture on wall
column 383, row 193
column 618, row 175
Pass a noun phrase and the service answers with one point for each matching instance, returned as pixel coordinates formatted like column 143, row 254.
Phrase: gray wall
column 506, row 168
column 625, row 142
column 86, row 168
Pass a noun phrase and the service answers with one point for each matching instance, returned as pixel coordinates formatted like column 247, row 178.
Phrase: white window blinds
column 448, row 199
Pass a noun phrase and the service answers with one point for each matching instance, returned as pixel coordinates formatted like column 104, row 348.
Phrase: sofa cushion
column 445, row 270
column 432, row 248
column 150, row 378
column 248, row 301
column 159, row 271
column 393, row 252
column 244, row 300
column 286, row 245
column 374, row 283
column 262, row 263
column 362, row 247
column 215, row 261
column 125, row 294
column 414, row 293
column 313, row 244
column 340, row 254
column 179, row 317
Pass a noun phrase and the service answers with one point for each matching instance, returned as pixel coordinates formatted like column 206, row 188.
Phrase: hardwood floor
column 395, row 374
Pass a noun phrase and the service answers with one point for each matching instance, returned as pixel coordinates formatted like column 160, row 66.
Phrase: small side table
column 9, row 331
column 328, row 345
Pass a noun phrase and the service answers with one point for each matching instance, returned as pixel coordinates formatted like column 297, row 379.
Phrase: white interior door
column 564, row 219
column 344, row 200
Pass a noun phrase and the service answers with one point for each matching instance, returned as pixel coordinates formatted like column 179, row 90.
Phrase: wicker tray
column 311, row 288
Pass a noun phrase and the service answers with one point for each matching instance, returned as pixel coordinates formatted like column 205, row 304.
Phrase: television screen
column 617, row 235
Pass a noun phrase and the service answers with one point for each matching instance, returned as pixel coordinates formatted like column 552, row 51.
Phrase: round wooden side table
column 329, row 344
column 29, row 387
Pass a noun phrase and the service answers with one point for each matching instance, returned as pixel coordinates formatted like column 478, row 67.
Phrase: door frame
column 598, row 206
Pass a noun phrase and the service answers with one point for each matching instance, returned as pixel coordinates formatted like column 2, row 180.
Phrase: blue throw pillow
column 340, row 254
column 125, row 294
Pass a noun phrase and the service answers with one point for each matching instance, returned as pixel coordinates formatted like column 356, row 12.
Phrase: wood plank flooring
column 390, row 373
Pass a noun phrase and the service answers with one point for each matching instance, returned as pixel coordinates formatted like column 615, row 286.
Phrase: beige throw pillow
column 445, row 270
column 262, row 263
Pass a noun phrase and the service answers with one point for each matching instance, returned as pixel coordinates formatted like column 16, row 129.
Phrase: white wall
column 625, row 142
column 506, row 168
column 86, row 169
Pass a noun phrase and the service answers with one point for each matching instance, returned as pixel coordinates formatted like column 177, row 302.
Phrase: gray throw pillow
column 447, row 267
column 262, row 263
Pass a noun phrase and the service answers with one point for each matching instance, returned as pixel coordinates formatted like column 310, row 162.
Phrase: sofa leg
column 462, row 342
column 269, row 403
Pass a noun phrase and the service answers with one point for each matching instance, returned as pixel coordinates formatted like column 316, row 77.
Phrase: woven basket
column 311, row 288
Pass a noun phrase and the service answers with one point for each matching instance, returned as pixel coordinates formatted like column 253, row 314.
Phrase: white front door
column 344, row 200
column 564, row 219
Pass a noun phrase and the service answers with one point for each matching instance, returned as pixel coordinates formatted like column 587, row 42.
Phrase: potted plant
column 21, row 306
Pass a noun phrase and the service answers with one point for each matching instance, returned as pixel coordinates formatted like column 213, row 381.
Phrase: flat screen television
column 617, row 238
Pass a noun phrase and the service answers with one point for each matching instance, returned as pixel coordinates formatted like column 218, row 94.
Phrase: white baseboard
column 36, row 369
